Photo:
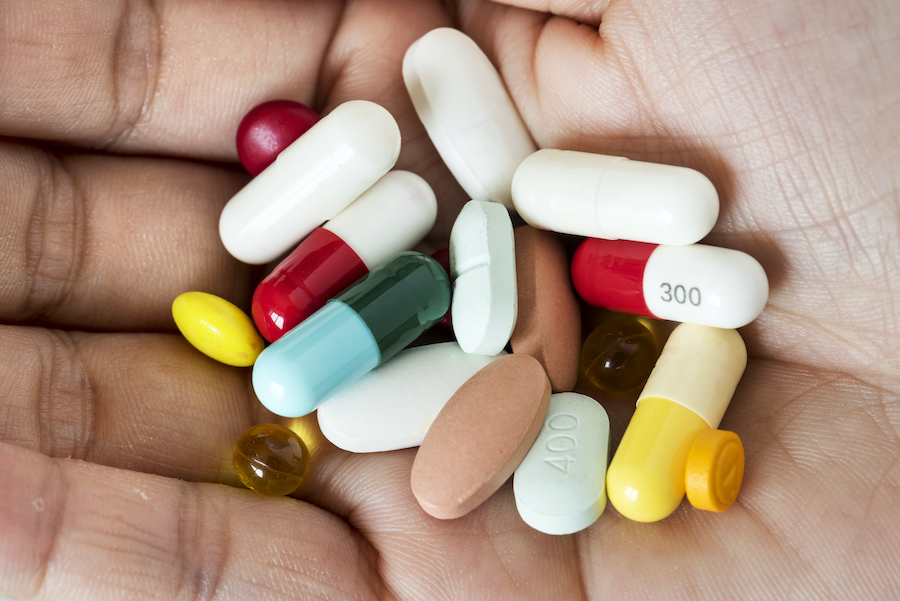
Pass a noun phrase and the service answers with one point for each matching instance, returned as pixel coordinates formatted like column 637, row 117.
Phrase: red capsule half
column 391, row 216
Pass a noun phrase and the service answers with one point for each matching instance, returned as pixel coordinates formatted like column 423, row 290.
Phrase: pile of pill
column 498, row 399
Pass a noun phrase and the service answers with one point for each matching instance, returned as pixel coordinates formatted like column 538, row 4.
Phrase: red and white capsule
column 699, row 284
column 391, row 216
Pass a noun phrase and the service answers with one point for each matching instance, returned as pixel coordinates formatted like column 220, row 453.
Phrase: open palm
column 116, row 435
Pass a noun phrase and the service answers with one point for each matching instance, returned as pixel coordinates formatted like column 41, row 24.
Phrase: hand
column 117, row 436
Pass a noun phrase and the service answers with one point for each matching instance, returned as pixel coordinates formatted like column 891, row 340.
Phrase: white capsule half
column 467, row 112
column 483, row 271
column 311, row 181
column 391, row 216
column 560, row 486
column 705, row 285
column 614, row 198
column 392, row 406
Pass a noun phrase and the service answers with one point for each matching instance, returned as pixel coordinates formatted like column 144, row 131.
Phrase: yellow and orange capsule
column 687, row 393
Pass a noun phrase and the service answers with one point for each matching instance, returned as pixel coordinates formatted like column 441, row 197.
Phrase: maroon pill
column 270, row 128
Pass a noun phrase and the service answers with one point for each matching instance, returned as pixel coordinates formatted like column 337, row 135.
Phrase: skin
column 118, row 156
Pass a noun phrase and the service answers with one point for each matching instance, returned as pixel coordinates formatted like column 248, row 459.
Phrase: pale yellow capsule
column 217, row 328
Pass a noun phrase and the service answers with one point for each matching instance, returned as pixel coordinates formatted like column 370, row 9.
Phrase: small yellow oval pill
column 714, row 470
column 217, row 328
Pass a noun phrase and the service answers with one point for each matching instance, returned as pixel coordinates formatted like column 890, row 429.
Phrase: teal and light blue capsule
column 352, row 334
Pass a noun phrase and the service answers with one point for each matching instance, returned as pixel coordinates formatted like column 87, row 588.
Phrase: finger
column 146, row 402
column 154, row 81
column 589, row 13
column 107, row 242
column 76, row 530
column 155, row 77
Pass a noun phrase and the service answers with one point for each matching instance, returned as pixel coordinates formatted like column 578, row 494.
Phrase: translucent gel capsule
column 271, row 459
column 618, row 355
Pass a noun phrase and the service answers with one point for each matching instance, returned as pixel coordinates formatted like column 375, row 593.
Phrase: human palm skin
column 116, row 436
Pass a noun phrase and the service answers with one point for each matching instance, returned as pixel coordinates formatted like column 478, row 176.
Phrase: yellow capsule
column 217, row 328
column 687, row 393
column 714, row 470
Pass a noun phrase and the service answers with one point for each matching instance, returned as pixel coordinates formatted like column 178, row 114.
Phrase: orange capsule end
column 714, row 470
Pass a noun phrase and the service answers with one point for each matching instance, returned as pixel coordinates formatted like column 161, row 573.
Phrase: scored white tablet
column 467, row 112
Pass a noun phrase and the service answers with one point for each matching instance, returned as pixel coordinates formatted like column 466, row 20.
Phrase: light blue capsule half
column 330, row 348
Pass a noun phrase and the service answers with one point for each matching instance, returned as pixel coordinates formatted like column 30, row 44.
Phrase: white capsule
column 391, row 216
column 600, row 196
column 311, row 181
column 467, row 112
column 706, row 285
column 393, row 405
column 560, row 486
column 484, row 305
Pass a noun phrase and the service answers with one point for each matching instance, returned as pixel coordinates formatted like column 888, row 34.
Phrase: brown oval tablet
column 480, row 436
column 549, row 323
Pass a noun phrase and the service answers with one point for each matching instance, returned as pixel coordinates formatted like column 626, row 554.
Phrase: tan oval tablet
column 549, row 323
column 481, row 436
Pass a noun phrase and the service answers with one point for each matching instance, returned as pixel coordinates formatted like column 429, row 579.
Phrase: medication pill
column 614, row 198
column 480, row 436
column 548, row 326
column 618, row 355
column 311, row 181
column 560, row 486
column 483, row 271
column 333, row 257
column 687, row 393
column 352, row 334
column 392, row 406
column 270, row 128
column 467, row 112
column 271, row 459
column 706, row 285
column 217, row 328
column 714, row 470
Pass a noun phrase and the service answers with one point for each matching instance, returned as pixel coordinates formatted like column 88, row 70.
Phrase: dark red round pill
column 270, row 128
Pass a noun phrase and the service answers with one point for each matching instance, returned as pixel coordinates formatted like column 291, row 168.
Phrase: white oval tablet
column 311, row 181
column 467, row 112
column 483, row 271
column 393, row 405
column 560, row 486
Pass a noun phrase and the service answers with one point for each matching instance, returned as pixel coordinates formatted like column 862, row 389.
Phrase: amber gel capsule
column 352, row 334
column 687, row 393
column 271, row 459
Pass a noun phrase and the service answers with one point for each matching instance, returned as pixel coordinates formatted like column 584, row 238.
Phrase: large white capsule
column 467, row 112
column 614, row 198
column 311, row 181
